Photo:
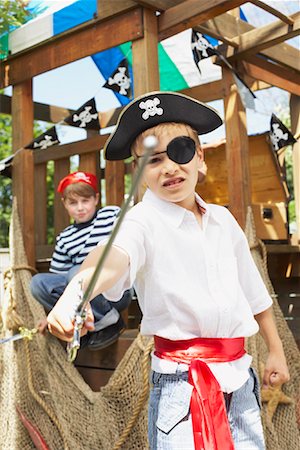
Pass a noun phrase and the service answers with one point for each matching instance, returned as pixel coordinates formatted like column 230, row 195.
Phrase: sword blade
column 149, row 143
column 15, row 337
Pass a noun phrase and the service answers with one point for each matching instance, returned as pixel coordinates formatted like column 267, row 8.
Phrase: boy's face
column 169, row 180
column 81, row 209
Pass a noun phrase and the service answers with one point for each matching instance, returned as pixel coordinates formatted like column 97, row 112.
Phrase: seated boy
column 80, row 198
column 197, row 285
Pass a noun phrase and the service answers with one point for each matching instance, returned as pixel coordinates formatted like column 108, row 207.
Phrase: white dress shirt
column 191, row 281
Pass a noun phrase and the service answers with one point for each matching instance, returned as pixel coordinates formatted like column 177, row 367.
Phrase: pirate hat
column 153, row 108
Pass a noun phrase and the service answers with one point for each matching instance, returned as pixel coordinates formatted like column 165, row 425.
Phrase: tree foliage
column 13, row 14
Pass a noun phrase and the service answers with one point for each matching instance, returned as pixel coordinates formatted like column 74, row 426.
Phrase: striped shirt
column 77, row 240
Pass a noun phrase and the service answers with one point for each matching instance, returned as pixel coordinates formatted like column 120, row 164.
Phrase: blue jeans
column 170, row 425
column 46, row 288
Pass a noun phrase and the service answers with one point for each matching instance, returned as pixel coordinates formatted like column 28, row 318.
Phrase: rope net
column 37, row 378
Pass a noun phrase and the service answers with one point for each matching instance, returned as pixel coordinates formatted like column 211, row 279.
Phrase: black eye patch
column 181, row 149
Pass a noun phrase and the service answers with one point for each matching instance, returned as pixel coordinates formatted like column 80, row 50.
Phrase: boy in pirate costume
column 197, row 285
column 80, row 197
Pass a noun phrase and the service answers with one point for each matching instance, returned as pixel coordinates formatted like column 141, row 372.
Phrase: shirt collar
column 174, row 212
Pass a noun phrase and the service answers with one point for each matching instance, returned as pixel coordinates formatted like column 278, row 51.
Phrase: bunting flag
column 279, row 134
column 85, row 117
column 6, row 166
column 45, row 140
column 247, row 96
column 201, row 48
column 120, row 81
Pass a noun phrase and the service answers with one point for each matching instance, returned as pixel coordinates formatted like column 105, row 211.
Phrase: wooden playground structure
column 243, row 171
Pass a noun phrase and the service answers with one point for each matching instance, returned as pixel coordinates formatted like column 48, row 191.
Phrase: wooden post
column 295, row 128
column 145, row 63
column 23, row 167
column 236, row 150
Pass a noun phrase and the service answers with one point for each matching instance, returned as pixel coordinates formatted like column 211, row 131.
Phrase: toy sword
column 149, row 144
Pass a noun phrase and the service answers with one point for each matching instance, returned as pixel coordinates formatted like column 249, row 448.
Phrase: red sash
column 210, row 423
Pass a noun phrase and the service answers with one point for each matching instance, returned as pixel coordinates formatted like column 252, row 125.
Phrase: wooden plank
column 254, row 41
column 225, row 28
column 108, row 9
column 114, row 182
column 281, row 77
column 57, row 152
column 23, row 173
column 236, row 150
column 145, row 64
column 159, row 5
column 145, row 57
column 40, row 203
column 190, row 13
column 295, row 129
column 85, row 40
column 61, row 217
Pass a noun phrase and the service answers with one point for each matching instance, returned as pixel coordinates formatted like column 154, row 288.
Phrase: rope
column 39, row 399
column 15, row 268
column 140, row 403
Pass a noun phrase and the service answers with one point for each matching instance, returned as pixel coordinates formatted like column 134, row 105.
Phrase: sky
column 73, row 84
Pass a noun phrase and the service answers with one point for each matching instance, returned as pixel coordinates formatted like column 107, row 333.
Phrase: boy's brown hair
column 81, row 189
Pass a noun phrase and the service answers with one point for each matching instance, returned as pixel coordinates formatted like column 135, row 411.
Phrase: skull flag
column 119, row 81
column 85, row 117
column 201, row 48
column 45, row 140
column 279, row 134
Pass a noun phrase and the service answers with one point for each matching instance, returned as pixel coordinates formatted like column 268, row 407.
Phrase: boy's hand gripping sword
column 149, row 144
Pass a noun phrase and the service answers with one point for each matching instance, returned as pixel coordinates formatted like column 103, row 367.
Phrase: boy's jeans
column 48, row 287
column 170, row 424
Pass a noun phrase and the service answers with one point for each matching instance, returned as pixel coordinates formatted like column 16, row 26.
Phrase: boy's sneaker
column 103, row 338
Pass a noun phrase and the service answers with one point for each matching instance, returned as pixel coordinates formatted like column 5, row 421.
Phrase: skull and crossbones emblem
column 202, row 45
column 85, row 116
column 121, row 79
column 45, row 143
column 276, row 135
column 151, row 108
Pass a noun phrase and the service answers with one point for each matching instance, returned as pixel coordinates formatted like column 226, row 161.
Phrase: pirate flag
column 45, row 140
column 201, row 48
column 247, row 96
column 119, row 81
column 85, row 117
column 279, row 134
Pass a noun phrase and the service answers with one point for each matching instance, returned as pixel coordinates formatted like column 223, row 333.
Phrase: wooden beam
column 108, row 9
column 159, row 5
column 190, row 13
column 22, row 174
column 264, row 70
column 61, row 217
column 57, row 152
column 254, row 41
column 72, row 45
column 237, row 152
column 145, row 56
column 47, row 113
column 145, row 63
column 226, row 28
column 295, row 128
column 273, row 11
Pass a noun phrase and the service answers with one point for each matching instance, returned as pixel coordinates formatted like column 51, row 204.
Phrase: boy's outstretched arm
column 276, row 371
column 60, row 319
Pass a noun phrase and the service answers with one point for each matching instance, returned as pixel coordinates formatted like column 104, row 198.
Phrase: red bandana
column 78, row 177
